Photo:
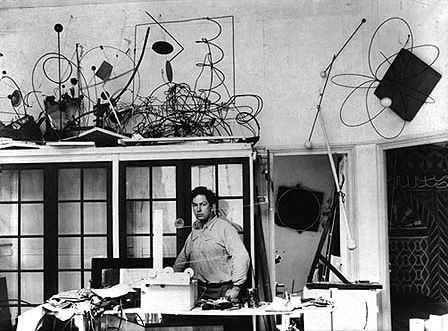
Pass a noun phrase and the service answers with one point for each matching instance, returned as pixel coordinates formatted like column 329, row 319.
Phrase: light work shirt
column 216, row 253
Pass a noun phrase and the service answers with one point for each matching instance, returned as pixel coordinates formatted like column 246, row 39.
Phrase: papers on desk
column 113, row 292
column 293, row 302
column 280, row 304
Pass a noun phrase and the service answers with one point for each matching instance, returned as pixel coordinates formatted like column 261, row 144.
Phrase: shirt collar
column 209, row 225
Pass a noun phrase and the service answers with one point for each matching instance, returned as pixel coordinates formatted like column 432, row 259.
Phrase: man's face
column 201, row 208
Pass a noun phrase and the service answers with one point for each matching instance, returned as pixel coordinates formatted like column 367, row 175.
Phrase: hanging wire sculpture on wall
column 207, row 106
column 105, row 87
column 367, row 83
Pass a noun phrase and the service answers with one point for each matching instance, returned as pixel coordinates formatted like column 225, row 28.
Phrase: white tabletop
column 260, row 311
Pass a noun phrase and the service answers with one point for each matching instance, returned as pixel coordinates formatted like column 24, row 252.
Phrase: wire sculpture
column 369, row 82
column 205, row 108
column 102, row 87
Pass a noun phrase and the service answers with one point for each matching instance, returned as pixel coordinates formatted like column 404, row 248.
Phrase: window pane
column 164, row 182
column 9, row 183
column 69, row 184
column 232, row 210
column 32, row 215
column 9, row 219
column 203, row 176
column 138, row 246
column 69, row 253
column 8, row 254
column 12, row 283
column 169, row 246
column 32, row 285
column 168, row 209
column 32, row 253
column 94, row 247
column 32, row 185
column 230, row 178
column 95, row 184
column 137, row 183
column 69, row 218
column 95, row 217
column 69, row 280
column 137, row 217
column 14, row 311
column 87, row 279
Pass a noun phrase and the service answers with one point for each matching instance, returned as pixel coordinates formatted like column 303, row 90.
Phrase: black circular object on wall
column 298, row 208
column 162, row 47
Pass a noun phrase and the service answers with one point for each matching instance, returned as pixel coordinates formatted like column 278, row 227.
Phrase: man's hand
column 232, row 294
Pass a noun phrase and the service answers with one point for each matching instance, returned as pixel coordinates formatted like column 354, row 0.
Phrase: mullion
column 82, row 225
column 79, row 200
column 109, row 240
column 19, row 241
column 51, row 228
column 231, row 197
column 151, row 206
column 17, row 201
column 149, row 200
column 86, row 235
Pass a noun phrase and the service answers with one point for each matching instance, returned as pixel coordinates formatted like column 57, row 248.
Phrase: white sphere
column 386, row 102
column 308, row 144
column 351, row 245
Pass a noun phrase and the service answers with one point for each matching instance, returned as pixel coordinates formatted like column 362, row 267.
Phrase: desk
column 260, row 311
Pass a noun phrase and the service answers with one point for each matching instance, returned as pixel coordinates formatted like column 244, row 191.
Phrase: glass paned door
column 22, row 238
column 151, row 188
column 226, row 181
column 150, row 209
column 82, row 208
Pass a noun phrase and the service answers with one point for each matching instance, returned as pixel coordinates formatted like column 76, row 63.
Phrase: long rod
column 59, row 80
column 321, row 96
column 327, row 74
column 350, row 243
column 348, row 40
column 78, row 71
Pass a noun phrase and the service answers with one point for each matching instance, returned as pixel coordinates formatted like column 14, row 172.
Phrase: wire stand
column 327, row 233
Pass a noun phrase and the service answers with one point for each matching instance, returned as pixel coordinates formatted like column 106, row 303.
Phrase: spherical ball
column 308, row 144
column 386, row 102
column 323, row 74
column 351, row 245
column 58, row 27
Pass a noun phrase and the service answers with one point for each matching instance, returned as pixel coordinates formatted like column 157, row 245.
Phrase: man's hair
column 202, row 190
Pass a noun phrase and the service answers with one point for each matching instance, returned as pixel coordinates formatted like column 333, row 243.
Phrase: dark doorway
column 417, row 188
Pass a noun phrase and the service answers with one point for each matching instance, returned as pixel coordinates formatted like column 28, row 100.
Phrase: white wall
column 280, row 50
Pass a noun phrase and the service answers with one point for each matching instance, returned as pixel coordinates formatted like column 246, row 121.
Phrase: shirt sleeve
column 182, row 260
column 240, row 256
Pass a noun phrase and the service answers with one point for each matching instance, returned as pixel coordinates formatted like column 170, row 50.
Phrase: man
column 213, row 250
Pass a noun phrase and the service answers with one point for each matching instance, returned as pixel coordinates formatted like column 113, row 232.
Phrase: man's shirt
column 216, row 253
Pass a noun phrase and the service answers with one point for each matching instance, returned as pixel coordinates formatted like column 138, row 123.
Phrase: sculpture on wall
column 171, row 86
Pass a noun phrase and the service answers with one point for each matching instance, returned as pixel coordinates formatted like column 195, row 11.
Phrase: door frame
column 382, row 148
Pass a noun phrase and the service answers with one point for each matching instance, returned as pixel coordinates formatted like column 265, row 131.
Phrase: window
column 226, row 180
column 160, row 191
column 150, row 197
column 82, row 207
column 22, row 236
column 53, row 219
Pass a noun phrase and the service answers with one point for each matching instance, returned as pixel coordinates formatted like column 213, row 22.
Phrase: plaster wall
column 280, row 50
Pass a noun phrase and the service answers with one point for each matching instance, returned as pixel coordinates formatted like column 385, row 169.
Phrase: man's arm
column 182, row 259
column 240, row 260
